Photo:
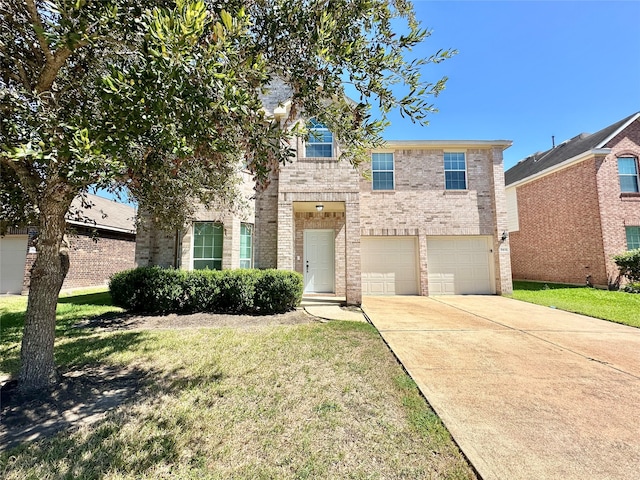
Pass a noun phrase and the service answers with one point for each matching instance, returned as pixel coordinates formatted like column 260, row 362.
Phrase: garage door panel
column 13, row 250
column 389, row 266
column 459, row 265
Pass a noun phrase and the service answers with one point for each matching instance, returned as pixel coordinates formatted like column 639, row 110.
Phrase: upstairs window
column 382, row 170
column 207, row 245
column 246, row 245
column 633, row 237
column 455, row 171
column 628, row 174
column 320, row 142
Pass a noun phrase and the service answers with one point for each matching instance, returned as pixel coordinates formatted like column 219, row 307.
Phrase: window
column 455, row 171
column 628, row 173
column 633, row 237
column 246, row 245
column 207, row 245
column 320, row 142
column 382, row 169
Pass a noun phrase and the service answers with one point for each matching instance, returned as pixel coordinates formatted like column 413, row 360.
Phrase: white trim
column 614, row 134
column 560, row 166
column 100, row 226
column 448, row 144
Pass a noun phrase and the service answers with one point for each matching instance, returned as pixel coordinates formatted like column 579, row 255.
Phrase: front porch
column 319, row 237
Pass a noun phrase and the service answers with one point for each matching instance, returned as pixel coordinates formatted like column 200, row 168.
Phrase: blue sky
column 528, row 70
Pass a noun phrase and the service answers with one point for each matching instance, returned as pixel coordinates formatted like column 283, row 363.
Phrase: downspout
column 176, row 249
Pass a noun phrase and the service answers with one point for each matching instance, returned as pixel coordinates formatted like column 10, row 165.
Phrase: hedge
column 165, row 290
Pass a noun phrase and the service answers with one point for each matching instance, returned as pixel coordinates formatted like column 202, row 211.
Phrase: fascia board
column 409, row 144
column 614, row 134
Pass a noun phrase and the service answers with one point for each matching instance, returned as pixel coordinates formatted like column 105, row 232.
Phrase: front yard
column 304, row 400
column 619, row 307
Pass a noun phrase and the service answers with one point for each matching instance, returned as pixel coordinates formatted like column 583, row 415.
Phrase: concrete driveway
column 528, row 392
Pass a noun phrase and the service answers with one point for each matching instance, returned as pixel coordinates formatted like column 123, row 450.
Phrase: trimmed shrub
column 277, row 291
column 629, row 265
column 161, row 290
column 149, row 289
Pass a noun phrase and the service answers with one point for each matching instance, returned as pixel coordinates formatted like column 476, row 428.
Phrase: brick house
column 101, row 242
column 427, row 218
column 573, row 207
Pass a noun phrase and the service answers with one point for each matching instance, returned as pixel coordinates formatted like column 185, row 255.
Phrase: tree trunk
column 38, row 369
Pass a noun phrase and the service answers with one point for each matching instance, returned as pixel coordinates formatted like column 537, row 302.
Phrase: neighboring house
column 429, row 219
column 576, row 205
column 101, row 242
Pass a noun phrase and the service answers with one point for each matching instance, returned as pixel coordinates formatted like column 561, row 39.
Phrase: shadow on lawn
column 88, row 389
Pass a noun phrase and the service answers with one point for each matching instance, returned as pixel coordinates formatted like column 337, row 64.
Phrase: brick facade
column 418, row 206
column 93, row 258
column 572, row 220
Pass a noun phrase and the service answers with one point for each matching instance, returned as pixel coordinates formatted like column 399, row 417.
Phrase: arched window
column 320, row 142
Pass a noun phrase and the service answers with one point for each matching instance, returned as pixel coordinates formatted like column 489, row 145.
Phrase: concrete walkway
column 528, row 392
column 331, row 308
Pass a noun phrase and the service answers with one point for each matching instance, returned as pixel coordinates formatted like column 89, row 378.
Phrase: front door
column 319, row 261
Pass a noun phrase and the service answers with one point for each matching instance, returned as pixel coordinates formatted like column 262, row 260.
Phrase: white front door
column 319, row 261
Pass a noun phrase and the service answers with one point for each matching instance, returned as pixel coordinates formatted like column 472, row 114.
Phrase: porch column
column 285, row 234
column 352, row 254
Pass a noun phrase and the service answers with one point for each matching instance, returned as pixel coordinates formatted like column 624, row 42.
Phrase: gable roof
column 103, row 214
column 575, row 147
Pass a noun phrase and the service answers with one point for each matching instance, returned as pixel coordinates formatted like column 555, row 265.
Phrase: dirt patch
column 84, row 395
column 114, row 322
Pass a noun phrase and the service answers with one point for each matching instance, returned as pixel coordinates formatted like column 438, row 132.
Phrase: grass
column 318, row 400
column 619, row 307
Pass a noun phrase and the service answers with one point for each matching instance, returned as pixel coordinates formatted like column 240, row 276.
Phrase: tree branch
column 35, row 18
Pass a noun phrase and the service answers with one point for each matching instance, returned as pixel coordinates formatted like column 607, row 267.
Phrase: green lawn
column 620, row 307
column 316, row 400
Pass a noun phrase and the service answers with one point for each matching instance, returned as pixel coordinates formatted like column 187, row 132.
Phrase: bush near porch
column 165, row 290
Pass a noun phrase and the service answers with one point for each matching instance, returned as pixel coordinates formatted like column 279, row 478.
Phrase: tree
column 163, row 98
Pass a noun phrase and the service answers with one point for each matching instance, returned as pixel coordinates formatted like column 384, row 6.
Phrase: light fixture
column 505, row 235
column 319, row 207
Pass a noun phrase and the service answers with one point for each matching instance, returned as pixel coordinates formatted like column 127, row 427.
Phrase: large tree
column 162, row 98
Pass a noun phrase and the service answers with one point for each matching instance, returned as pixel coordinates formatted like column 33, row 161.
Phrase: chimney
column 553, row 141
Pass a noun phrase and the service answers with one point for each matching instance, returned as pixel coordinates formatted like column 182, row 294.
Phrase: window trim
column 251, row 229
column 466, row 170
column 633, row 175
column 193, row 241
column 393, row 171
column 627, row 228
column 319, row 126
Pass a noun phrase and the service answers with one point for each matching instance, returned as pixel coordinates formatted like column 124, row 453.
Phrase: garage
column 460, row 265
column 13, row 254
column 389, row 265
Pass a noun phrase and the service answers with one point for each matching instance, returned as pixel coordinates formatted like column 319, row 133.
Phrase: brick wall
column 420, row 205
column 617, row 209
column 573, row 221
column 92, row 259
column 158, row 246
column 560, row 236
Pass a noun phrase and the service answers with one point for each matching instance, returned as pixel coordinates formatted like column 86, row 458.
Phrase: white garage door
column 389, row 266
column 13, row 254
column 459, row 265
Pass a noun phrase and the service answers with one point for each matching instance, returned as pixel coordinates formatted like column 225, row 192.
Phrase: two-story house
column 421, row 218
column 575, row 206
